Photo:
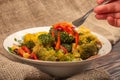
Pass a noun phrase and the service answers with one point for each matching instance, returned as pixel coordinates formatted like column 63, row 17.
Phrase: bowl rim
column 53, row 62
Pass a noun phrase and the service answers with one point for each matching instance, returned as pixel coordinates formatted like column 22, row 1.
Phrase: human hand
column 109, row 12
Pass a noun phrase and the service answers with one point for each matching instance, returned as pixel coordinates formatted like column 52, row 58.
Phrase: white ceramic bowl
column 57, row 69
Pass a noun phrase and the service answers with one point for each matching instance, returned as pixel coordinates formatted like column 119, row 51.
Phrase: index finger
column 108, row 8
column 101, row 1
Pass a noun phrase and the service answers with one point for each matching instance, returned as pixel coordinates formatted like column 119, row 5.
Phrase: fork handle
column 105, row 2
column 80, row 21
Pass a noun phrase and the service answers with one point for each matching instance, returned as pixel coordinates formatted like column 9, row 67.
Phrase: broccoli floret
column 46, row 39
column 64, row 57
column 54, row 31
column 88, row 50
column 67, row 57
column 46, row 54
column 68, row 47
column 29, row 44
column 66, row 37
column 50, row 30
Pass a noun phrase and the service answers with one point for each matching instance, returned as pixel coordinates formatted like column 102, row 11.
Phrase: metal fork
column 82, row 19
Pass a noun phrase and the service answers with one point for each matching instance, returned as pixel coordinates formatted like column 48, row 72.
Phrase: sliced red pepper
column 70, row 30
column 57, row 26
column 64, row 26
column 64, row 49
column 53, row 34
column 21, row 51
column 58, row 42
column 33, row 55
column 76, row 39
column 26, row 49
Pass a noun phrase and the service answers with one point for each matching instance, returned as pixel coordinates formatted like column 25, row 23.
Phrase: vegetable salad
column 61, row 43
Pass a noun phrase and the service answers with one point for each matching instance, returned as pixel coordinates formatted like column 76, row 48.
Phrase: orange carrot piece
column 21, row 51
column 53, row 34
column 76, row 39
column 58, row 42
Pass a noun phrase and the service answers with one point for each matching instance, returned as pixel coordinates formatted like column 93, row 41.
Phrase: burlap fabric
column 17, row 15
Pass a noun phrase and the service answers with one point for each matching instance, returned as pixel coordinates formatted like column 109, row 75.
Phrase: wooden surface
column 111, row 62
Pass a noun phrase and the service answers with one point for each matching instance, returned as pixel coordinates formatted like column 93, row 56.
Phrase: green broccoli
column 66, row 37
column 67, row 46
column 29, row 44
column 46, row 39
column 50, row 30
column 46, row 54
column 88, row 50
